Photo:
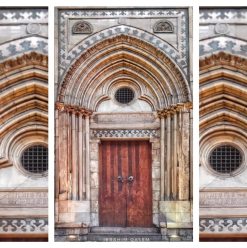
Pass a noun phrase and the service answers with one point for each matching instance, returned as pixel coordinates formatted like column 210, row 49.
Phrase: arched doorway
column 123, row 118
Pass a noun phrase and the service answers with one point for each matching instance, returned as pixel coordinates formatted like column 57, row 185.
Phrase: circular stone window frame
column 21, row 168
column 236, row 172
column 121, row 87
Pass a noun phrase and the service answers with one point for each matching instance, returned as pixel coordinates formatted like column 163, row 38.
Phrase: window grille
column 124, row 95
column 225, row 159
column 35, row 159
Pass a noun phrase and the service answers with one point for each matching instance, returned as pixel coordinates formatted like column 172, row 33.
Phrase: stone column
column 84, row 157
column 87, row 159
column 168, row 156
column 57, row 154
column 162, row 157
column 74, row 159
column 80, row 160
column 174, row 155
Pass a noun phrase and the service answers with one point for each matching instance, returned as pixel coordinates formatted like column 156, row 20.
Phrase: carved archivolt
column 123, row 57
column 223, row 97
column 29, row 59
column 24, row 105
column 223, row 59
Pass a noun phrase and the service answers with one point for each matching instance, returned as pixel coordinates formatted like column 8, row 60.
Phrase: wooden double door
column 125, row 184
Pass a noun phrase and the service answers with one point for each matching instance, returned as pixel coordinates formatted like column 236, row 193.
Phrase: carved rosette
column 163, row 26
column 82, row 27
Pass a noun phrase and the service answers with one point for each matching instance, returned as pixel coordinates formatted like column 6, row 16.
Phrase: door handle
column 130, row 179
column 120, row 179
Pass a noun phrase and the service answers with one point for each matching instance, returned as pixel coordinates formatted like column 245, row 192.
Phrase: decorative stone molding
column 29, row 59
column 82, row 27
column 225, row 14
column 224, row 59
column 223, row 225
column 61, row 107
column 25, row 15
column 223, row 43
column 21, row 225
column 22, row 46
column 163, row 26
column 121, row 133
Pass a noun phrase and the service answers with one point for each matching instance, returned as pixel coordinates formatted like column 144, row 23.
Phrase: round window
column 124, row 95
column 225, row 159
column 35, row 159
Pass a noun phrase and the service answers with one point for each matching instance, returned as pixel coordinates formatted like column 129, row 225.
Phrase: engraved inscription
column 122, row 118
column 24, row 199
column 223, row 199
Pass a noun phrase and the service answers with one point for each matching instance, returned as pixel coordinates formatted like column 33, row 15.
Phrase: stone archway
column 162, row 116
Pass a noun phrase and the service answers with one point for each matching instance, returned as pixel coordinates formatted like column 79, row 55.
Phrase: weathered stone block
column 94, row 206
column 94, row 180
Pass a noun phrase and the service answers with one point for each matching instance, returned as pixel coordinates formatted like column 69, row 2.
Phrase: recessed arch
column 129, row 56
column 24, row 101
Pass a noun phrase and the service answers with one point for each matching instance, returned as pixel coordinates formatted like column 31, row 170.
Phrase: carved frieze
column 22, row 225
column 223, row 225
column 121, row 133
column 223, row 199
column 24, row 199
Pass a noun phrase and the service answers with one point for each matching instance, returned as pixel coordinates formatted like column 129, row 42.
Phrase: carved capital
column 172, row 109
column 73, row 109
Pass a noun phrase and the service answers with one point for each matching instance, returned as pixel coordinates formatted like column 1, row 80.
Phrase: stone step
column 125, row 230
column 109, row 237
column 121, row 234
